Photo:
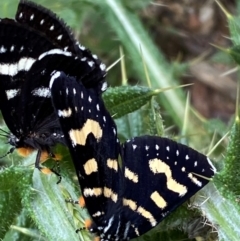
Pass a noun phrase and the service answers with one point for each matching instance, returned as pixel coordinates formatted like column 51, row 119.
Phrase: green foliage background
column 32, row 207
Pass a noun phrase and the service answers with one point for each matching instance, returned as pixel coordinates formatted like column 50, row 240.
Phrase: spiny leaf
column 229, row 177
column 123, row 100
column 13, row 181
column 47, row 206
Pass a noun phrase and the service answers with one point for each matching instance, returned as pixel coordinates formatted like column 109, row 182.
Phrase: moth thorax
column 13, row 140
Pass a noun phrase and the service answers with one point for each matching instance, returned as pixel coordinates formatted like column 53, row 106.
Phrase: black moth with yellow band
column 33, row 45
column 157, row 174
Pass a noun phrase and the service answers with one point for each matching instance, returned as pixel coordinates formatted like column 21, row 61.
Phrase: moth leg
column 56, row 170
column 37, row 162
column 45, row 170
column 80, row 201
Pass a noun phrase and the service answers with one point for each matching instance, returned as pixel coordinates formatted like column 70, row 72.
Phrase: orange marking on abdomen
column 81, row 202
column 24, row 151
column 57, row 157
column 45, row 170
column 88, row 223
column 44, row 156
column 97, row 238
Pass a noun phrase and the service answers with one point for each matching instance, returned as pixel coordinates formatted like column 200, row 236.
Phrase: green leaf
column 234, row 27
column 56, row 219
column 145, row 121
column 229, row 177
column 13, row 181
column 235, row 53
column 125, row 99
column 221, row 203
column 23, row 229
column 138, row 45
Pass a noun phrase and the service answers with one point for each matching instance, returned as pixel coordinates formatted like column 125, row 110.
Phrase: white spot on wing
column 65, row 113
column 32, row 17
column 102, row 66
column 3, row 50
column 54, row 77
column 194, row 180
column 127, row 226
column 109, row 224
column 24, row 64
column 98, row 108
column 104, row 86
column 134, row 146
column 97, row 214
column 42, row 92
column 81, row 47
column 54, row 51
column 59, row 37
column 90, row 63
column 12, row 93
column 52, row 28
column 42, row 21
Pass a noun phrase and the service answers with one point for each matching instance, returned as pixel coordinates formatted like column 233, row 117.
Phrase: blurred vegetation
column 164, row 45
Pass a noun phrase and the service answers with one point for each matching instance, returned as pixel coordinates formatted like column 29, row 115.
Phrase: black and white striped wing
column 30, row 49
column 55, row 29
column 47, row 23
column 91, row 136
column 16, row 59
column 157, row 174
column 160, row 174
column 36, row 96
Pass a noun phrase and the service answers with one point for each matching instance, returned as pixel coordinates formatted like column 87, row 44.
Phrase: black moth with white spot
column 156, row 174
column 32, row 46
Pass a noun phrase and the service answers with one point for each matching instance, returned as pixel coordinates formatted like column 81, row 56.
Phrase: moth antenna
column 5, row 133
column 9, row 152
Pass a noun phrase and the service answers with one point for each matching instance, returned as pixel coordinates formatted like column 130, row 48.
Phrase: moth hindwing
column 156, row 176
